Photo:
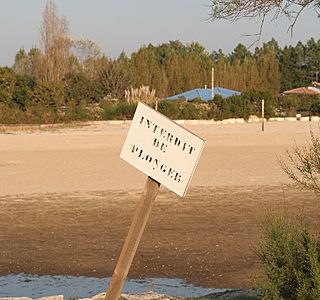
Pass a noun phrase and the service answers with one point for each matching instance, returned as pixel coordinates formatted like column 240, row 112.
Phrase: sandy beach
column 67, row 200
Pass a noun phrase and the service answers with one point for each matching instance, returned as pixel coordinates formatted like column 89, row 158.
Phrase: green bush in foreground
column 304, row 167
column 290, row 255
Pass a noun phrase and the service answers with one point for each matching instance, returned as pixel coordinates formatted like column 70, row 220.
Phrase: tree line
column 73, row 79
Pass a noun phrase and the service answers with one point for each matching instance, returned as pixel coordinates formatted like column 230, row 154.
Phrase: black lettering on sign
column 163, row 168
column 177, row 177
column 167, row 136
column 163, row 133
column 160, row 145
column 177, row 142
column 191, row 149
column 155, row 163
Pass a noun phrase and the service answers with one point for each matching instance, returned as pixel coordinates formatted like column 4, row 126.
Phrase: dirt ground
column 67, row 201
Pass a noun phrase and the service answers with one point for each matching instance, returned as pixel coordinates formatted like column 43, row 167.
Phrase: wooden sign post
column 168, row 154
column 133, row 239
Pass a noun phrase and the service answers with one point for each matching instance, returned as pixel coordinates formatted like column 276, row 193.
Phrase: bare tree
column 114, row 78
column 233, row 10
column 88, row 55
column 303, row 167
column 85, row 49
column 55, row 45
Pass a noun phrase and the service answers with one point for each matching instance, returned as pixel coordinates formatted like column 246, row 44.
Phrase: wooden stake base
column 133, row 239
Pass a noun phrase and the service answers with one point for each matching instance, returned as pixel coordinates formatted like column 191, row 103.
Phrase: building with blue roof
column 204, row 94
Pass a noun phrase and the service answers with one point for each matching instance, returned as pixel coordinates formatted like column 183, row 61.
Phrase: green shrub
column 184, row 110
column 7, row 82
column 78, row 88
column 290, row 255
column 11, row 115
column 119, row 111
column 289, row 252
column 255, row 98
column 233, row 107
column 170, row 108
column 292, row 104
column 76, row 111
column 315, row 107
column 193, row 110
column 23, row 88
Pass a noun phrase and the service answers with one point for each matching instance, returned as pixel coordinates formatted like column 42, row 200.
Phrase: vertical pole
column 212, row 82
column 262, row 114
column 133, row 239
column 157, row 104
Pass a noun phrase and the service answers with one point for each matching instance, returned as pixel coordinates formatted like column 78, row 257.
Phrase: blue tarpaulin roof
column 205, row 94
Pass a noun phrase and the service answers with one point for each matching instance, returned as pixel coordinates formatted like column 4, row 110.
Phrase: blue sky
column 127, row 24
